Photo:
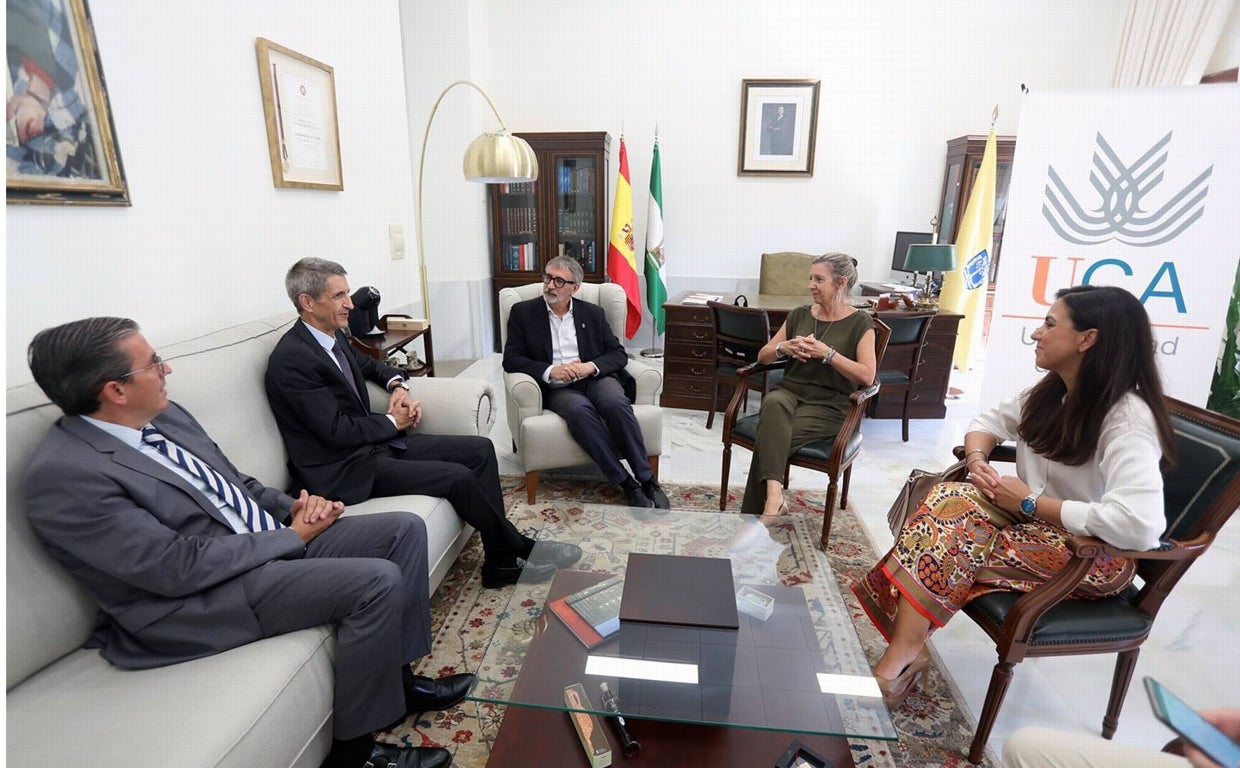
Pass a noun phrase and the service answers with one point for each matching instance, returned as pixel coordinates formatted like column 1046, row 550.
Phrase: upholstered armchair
column 541, row 437
column 785, row 273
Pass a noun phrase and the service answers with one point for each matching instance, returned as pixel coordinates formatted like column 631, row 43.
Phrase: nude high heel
column 896, row 690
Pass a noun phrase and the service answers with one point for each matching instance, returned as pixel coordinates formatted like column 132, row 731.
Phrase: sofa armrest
column 456, row 406
column 649, row 382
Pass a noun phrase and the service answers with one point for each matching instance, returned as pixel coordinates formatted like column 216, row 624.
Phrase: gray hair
column 569, row 263
column 841, row 265
column 309, row 276
column 72, row 362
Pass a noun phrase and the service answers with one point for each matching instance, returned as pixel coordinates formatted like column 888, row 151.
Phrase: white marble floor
column 1193, row 648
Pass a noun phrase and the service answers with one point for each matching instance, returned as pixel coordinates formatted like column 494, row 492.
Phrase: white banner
column 1134, row 188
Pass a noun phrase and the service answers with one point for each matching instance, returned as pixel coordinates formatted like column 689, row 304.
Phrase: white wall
column 898, row 80
column 208, row 238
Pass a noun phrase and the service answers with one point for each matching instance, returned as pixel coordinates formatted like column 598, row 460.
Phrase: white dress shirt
column 563, row 343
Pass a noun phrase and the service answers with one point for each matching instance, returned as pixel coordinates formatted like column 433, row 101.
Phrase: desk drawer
column 682, row 315
column 694, row 334
column 688, row 352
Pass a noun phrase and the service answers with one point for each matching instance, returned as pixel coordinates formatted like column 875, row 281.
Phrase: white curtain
column 1168, row 42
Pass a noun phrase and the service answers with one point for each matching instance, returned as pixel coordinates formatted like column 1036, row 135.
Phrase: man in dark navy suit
column 316, row 386
column 568, row 347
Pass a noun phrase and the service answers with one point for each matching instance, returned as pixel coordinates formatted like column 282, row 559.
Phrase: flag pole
column 656, row 289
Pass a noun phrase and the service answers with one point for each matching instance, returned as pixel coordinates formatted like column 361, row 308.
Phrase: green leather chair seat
column 1072, row 621
column 818, row 450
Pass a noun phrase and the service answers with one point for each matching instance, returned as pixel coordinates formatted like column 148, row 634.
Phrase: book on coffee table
column 592, row 614
column 676, row 589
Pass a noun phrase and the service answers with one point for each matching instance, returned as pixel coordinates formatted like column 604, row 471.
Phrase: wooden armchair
column 833, row 454
column 1200, row 494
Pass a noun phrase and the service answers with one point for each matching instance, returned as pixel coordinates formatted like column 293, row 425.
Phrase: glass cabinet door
column 576, row 227
column 518, row 227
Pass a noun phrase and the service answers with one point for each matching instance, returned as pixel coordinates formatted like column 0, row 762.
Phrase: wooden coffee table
column 756, row 688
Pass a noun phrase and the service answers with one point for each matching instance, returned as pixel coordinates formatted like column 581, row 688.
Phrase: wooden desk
column 689, row 356
column 379, row 347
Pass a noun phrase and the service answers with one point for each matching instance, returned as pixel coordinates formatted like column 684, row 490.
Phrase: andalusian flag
column 656, row 286
column 621, row 250
column 964, row 290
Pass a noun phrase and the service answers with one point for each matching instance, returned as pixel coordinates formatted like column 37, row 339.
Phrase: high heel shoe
column 896, row 690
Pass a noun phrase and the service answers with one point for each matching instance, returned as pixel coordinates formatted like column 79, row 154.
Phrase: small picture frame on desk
column 797, row 755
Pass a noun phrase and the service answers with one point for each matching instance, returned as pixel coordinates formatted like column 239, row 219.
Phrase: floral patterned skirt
column 959, row 546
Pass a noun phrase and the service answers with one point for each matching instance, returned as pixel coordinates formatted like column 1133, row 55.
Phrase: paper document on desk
column 700, row 298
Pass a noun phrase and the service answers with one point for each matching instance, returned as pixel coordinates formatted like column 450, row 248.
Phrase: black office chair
column 740, row 332
column 903, row 362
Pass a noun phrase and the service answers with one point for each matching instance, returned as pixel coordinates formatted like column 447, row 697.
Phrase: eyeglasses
column 558, row 282
column 159, row 365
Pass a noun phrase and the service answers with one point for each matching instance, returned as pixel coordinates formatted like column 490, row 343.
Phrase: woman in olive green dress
column 829, row 347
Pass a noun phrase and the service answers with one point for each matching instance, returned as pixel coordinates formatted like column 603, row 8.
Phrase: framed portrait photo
column 60, row 140
column 299, row 104
column 779, row 123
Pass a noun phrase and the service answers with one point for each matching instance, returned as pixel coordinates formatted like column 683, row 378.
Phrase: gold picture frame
column 299, row 104
column 61, row 141
column 779, row 125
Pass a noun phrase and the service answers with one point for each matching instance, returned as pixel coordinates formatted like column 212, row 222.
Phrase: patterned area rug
column 934, row 725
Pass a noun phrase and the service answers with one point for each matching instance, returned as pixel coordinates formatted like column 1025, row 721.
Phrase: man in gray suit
column 187, row 556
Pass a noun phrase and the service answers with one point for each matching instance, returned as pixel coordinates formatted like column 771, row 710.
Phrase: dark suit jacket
column 529, row 342
column 330, row 435
column 160, row 560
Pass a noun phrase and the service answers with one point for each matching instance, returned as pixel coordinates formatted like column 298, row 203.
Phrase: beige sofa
column 267, row 703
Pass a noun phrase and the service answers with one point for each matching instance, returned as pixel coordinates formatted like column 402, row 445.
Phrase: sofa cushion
column 259, row 704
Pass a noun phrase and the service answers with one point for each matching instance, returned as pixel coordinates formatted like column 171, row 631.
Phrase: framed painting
column 779, row 123
column 299, row 103
column 60, row 140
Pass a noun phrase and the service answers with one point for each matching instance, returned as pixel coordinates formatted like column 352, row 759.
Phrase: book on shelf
column 592, row 614
column 700, row 298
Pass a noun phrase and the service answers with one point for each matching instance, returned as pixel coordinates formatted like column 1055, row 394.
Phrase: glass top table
column 801, row 669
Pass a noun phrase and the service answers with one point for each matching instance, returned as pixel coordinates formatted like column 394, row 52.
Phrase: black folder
column 670, row 589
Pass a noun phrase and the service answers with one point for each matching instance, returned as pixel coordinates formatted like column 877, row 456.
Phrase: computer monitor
column 903, row 241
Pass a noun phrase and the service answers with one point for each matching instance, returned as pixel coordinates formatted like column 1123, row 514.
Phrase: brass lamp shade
column 497, row 158
column 930, row 257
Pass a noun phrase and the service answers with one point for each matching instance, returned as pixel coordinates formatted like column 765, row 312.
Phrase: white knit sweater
column 1118, row 494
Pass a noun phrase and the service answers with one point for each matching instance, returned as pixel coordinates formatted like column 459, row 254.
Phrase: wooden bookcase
column 964, row 159
column 562, row 213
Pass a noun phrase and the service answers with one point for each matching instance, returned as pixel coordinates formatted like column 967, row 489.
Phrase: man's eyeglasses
column 558, row 282
column 159, row 365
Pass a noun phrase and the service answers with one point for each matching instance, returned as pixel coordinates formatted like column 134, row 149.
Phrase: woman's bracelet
column 830, row 356
column 967, row 454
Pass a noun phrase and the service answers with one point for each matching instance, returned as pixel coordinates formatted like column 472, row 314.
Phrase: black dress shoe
column 559, row 554
column 634, row 496
column 494, row 576
column 425, row 694
column 390, row 756
column 655, row 493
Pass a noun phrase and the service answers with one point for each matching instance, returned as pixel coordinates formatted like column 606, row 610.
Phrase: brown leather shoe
column 896, row 690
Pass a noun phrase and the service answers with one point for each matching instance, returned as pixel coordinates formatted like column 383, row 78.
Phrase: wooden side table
column 380, row 347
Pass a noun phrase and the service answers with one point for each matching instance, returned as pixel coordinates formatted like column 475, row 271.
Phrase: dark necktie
column 345, row 369
column 397, row 443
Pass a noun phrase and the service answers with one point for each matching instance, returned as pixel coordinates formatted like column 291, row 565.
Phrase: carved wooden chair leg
column 1000, row 679
column 844, row 488
column 1125, row 664
column 714, row 403
column 654, row 465
column 828, row 512
column 723, row 483
column 531, row 486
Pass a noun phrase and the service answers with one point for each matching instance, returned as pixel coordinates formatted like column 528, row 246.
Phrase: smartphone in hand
column 1185, row 721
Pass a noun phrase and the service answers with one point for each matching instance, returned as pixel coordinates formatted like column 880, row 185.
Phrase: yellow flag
column 964, row 289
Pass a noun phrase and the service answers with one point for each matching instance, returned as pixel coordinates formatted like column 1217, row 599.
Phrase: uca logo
column 1126, row 209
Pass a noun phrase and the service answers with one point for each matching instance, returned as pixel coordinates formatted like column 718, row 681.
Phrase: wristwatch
column 1029, row 505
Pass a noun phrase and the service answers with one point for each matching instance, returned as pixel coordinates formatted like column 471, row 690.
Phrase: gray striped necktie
column 254, row 516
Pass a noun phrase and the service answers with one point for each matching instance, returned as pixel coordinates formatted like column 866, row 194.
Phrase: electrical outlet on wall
column 396, row 238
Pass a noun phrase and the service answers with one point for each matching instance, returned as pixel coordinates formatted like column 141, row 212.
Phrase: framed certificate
column 299, row 103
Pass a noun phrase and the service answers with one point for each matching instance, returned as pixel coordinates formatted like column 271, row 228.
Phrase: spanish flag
column 964, row 290
column 622, row 250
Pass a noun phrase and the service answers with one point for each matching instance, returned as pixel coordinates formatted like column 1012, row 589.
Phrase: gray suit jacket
column 160, row 559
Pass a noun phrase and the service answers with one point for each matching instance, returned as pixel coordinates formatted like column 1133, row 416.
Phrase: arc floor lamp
column 492, row 158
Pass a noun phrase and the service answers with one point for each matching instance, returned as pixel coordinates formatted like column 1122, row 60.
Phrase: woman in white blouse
column 1091, row 437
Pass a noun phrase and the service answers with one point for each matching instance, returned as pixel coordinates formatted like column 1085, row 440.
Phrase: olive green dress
column 809, row 404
